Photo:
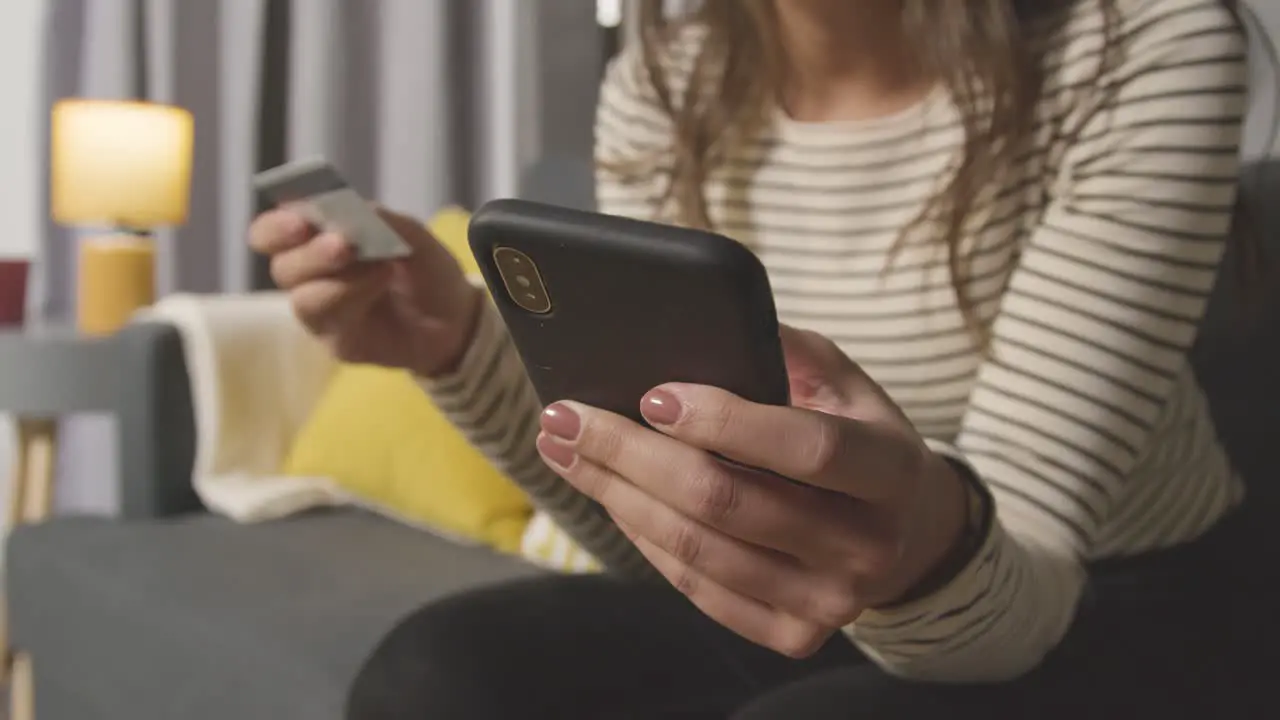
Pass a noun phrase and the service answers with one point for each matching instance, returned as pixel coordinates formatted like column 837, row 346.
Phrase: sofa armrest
column 156, row 424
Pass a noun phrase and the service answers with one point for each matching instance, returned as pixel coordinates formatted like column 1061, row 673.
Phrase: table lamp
column 123, row 169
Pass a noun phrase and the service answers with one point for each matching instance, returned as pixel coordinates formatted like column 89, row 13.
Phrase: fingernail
column 295, row 223
column 335, row 246
column 562, row 422
column 555, row 451
column 660, row 407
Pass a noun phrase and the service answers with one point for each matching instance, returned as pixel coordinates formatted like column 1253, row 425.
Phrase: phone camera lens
column 523, row 283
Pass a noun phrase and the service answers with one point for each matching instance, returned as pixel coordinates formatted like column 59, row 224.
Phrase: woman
column 998, row 222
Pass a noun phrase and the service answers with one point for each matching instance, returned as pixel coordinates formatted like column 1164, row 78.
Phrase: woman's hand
column 782, row 563
column 416, row 313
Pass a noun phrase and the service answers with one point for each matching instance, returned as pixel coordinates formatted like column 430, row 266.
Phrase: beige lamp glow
column 123, row 168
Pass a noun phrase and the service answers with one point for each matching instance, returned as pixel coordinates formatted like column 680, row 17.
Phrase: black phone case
column 633, row 305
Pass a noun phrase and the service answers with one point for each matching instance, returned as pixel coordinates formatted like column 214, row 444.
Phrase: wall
column 21, row 35
column 1261, row 140
column 21, row 58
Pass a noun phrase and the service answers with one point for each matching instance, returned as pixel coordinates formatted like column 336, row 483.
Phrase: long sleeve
column 1089, row 355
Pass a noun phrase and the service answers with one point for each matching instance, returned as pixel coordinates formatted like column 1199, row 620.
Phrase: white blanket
column 255, row 375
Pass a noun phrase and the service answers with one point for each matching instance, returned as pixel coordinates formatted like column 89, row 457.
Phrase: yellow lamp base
column 116, row 278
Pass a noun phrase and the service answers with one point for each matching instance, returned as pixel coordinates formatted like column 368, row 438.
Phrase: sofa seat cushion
column 197, row 617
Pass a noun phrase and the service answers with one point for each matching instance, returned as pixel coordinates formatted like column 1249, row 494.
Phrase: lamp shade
column 120, row 164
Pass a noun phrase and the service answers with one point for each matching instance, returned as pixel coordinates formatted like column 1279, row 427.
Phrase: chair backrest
column 1238, row 353
column 1239, row 348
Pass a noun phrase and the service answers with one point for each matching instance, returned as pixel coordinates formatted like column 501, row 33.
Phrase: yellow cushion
column 378, row 435
column 450, row 228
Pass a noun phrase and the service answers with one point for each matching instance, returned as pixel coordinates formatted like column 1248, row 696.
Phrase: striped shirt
column 1090, row 270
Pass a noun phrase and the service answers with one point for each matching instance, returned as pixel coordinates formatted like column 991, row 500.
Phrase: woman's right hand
column 416, row 313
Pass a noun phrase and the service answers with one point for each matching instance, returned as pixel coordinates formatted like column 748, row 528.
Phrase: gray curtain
column 422, row 103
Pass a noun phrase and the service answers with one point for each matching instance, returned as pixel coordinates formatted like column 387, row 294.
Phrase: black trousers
column 1183, row 633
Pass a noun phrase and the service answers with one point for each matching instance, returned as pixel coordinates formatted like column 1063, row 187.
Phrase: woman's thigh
column 1116, row 684
column 570, row 647
column 1177, row 634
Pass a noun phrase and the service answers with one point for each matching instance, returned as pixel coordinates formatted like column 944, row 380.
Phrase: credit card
column 329, row 202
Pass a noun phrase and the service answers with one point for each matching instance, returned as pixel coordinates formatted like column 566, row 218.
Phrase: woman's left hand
column 783, row 564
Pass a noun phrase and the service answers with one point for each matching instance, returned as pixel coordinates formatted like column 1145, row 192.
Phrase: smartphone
column 330, row 203
column 602, row 309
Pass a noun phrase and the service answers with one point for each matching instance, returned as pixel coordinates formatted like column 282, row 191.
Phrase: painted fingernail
column 559, row 420
column 555, row 451
column 660, row 407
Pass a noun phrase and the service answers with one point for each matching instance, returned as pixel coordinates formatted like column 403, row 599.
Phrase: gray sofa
column 169, row 612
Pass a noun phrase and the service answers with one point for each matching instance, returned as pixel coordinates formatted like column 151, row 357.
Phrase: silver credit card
column 329, row 202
